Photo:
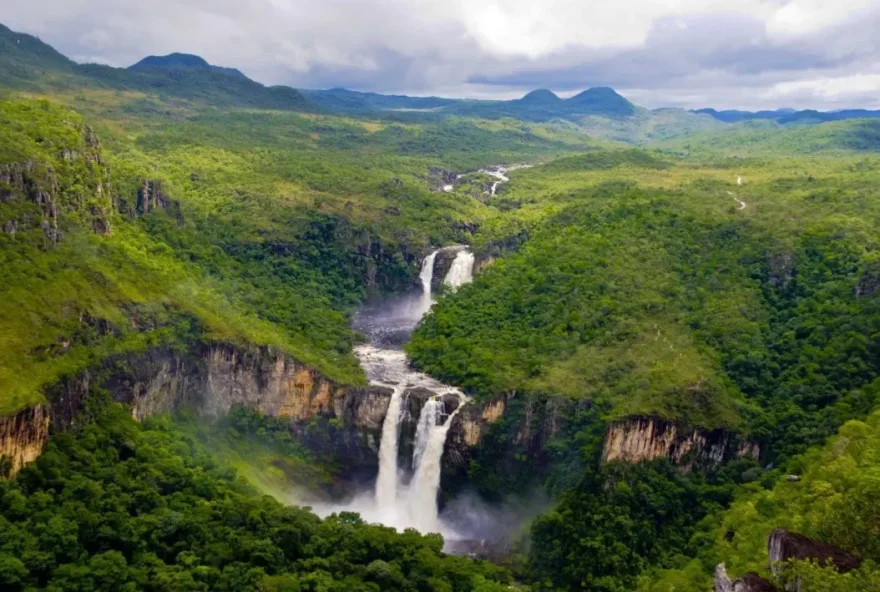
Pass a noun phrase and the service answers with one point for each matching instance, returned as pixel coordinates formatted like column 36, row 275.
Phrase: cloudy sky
column 691, row 53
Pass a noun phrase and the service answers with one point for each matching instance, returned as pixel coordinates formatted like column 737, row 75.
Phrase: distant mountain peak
column 181, row 61
column 541, row 96
column 602, row 100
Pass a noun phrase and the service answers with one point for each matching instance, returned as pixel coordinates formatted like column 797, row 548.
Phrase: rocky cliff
column 636, row 439
column 22, row 437
column 210, row 380
column 751, row 582
column 785, row 546
column 69, row 186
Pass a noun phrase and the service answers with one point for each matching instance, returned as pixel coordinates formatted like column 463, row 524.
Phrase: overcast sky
column 690, row 53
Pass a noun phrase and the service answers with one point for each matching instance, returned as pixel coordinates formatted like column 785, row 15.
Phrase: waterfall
column 386, row 483
column 427, row 273
column 394, row 504
column 462, row 270
column 427, row 422
column 422, row 498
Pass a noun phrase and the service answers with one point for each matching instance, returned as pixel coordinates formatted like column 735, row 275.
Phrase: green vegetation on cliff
column 667, row 298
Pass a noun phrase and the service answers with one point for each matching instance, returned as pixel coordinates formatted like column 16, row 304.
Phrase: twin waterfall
column 412, row 505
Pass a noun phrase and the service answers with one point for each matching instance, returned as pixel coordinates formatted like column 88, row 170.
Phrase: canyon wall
column 345, row 422
column 635, row 439
column 209, row 380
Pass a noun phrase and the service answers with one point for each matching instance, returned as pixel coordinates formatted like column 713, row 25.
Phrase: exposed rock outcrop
column 781, row 269
column 149, row 197
column 22, row 437
column 510, row 433
column 636, row 439
column 439, row 178
column 869, row 283
column 54, row 198
column 783, row 546
column 220, row 376
column 483, row 262
column 751, row 582
column 36, row 184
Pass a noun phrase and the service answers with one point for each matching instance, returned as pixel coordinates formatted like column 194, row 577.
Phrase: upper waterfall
column 462, row 270
column 427, row 273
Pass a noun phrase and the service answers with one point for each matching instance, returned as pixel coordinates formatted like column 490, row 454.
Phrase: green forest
column 723, row 278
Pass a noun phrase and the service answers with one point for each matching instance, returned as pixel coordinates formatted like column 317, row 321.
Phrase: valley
column 261, row 338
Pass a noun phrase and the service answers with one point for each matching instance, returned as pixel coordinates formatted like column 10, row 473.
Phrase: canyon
column 212, row 378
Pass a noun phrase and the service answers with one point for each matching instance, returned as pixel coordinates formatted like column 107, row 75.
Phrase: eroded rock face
column 783, row 546
column 36, row 183
column 221, row 376
column 149, row 197
column 647, row 438
column 781, row 268
column 483, row 262
column 210, row 380
column 751, row 582
column 22, row 438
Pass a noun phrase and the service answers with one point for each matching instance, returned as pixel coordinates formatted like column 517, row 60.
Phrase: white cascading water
column 386, row 482
column 427, row 273
column 386, row 365
column 500, row 173
column 428, row 419
column 422, row 495
column 462, row 270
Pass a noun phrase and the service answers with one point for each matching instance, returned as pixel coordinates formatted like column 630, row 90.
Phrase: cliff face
column 751, row 582
column 220, row 376
column 504, row 443
column 22, row 437
column 44, row 196
column 210, row 380
column 646, row 438
column 784, row 546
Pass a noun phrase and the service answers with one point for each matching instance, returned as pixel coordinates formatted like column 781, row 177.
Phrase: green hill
column 177, row 61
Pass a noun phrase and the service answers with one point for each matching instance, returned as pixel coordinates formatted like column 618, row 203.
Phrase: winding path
column 742, row 204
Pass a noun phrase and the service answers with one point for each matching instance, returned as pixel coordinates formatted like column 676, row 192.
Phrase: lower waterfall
column 422, row 495
column 386, row 482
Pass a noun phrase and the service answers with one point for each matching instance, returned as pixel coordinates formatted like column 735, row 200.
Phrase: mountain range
column 26, row 61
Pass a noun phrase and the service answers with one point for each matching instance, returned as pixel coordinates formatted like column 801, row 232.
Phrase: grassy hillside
column 273, row 225
column 658, row 293
column 769, row 138
column 74, row 295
